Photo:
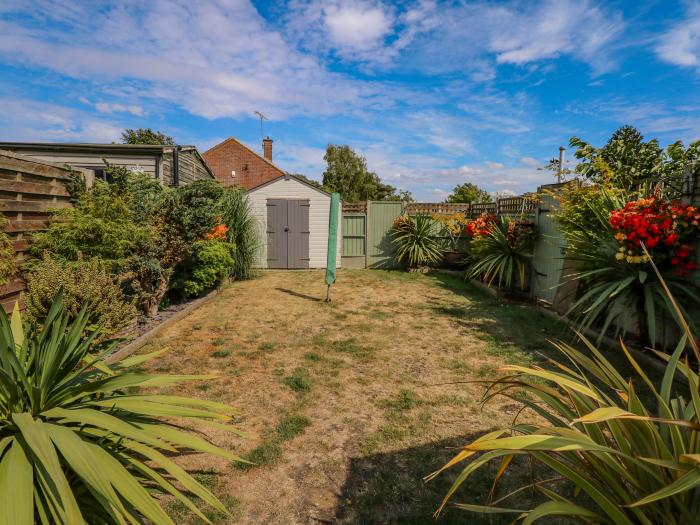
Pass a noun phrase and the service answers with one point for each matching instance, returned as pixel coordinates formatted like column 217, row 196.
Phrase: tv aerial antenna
column 262, row 117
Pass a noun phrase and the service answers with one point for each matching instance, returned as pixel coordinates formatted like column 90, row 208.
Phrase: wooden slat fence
column 428, row 208
column 29, row 189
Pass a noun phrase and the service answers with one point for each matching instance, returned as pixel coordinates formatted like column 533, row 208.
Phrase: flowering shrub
column 665, row 228
column 217, row 232
column 481, row 226
column 453, row 224
column 402, row 222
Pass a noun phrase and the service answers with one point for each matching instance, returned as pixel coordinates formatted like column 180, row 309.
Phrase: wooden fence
column 366, row 225
column 29, row 189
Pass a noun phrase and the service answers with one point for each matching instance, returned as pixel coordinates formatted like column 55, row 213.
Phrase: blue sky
column 432, row 93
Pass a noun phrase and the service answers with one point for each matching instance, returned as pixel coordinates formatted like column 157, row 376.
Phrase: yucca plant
column 77, row 445
column 503, row 254
column 629, row 461
column 415, row 241
column 615, row 292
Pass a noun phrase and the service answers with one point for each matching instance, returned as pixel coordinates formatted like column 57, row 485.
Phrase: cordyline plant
column 76, row 445
column 631, row 462
column 415, row 242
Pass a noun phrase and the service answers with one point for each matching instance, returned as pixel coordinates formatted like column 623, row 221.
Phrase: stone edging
column 141, row 340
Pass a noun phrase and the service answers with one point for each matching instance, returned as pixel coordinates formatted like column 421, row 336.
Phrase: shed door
column 298, row 221
column 277, row 233
column 287, row 233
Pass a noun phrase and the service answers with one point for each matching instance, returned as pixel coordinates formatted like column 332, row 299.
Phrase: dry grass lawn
column 349, row 404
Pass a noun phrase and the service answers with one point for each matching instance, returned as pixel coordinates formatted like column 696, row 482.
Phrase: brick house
column 232, row 162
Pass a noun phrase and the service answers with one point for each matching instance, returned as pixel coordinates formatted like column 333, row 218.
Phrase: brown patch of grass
column 379, row 373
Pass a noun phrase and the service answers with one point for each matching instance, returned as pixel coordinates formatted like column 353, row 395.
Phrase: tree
column 309, row 181
column 347, row 174
column 469, row 193
column 629, row 163
column 146, row 136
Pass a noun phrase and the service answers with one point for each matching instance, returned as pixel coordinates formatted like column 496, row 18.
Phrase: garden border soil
column 125, row 351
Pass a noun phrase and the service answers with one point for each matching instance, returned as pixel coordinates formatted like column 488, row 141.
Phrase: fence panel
column 354, row 240
column 29, row 189
column 380, row 217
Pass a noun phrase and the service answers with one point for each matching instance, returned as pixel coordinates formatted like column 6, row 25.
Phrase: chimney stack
column 267, row 148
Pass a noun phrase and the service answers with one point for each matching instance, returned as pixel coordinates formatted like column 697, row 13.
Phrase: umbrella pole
column 328, row 293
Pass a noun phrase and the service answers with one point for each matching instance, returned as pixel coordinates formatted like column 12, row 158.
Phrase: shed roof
column 288, row 176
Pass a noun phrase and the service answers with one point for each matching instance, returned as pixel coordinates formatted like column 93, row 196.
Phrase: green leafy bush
column 77, row 445
column 415, row 241
column 82, row 282
column 607, row 455
column 503, row 254
column 614, row 293
column 210, row 262
column 8, row 261
column 238, row 217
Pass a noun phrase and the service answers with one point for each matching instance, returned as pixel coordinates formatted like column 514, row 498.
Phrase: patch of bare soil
column 348, row 404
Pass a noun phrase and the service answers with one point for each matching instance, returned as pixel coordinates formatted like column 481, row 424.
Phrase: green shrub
column 614, row 293
column 503, row 255
column 415, row 242
column 211, row 261
column 8, row 261
column 82, row 282
column 238, row 217
column 77, row 445
column 609, row 454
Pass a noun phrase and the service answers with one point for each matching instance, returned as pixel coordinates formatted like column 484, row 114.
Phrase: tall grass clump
column 237, row 215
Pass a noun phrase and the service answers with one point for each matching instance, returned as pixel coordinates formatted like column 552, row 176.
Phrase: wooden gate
column 380, row 218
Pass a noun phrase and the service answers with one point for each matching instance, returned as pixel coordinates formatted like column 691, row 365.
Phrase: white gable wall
column 318, row 218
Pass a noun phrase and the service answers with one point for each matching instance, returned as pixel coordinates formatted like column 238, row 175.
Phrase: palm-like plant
column 635, row 463
column 415, row 241
column 612, row 288
column 503, row 254
column 77, row 445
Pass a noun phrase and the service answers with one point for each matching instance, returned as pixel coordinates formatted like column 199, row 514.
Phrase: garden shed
column 292, row 216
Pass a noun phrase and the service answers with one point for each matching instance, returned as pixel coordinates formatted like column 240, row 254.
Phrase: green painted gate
column 354, row 240
column 380, row 218
column 549, row 251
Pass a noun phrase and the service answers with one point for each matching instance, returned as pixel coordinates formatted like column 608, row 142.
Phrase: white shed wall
column 318, row 218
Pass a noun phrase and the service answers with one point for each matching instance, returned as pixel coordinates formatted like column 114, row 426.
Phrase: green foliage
column 628, row 162
column 470, row 193
column 291, row 426
column 191, row 211
column 83, row 283
column 8, row 261
column 626, row 446
column 146, row 136
column 77, row 445
column 615, row 292
column 415, row 241
column 503, row 255
column 238, row 217
column 347, row 174
column 298, row 381
column 207, row 266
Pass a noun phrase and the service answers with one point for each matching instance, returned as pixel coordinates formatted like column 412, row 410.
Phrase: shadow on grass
column 388, row 488
column 520, row 332
column 299, row 294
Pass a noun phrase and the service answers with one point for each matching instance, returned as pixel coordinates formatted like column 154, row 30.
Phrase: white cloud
column 106, row 107
column 29, row 120
column 680, row 45
column 531, row 162
column 494, row 165
column 359, row 27
column 214, row 58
